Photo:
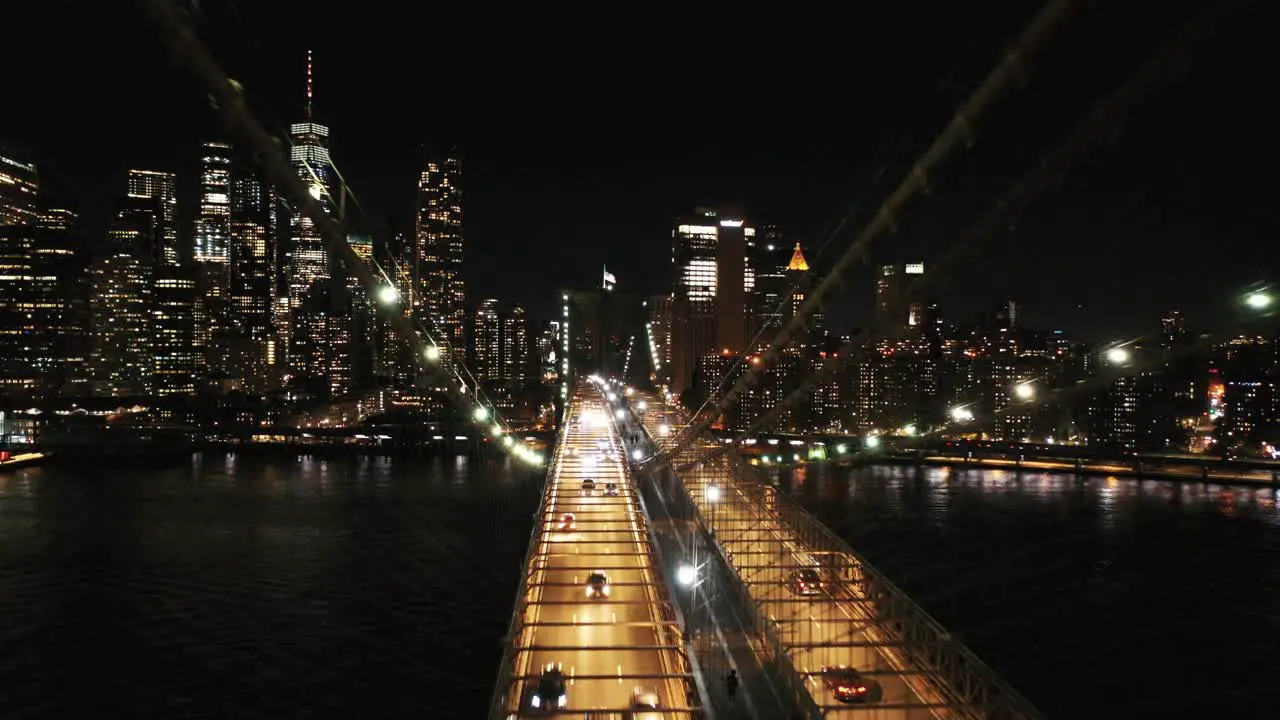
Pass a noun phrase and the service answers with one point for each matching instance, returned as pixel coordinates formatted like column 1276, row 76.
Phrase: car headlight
column 606, row 591
column 564, row 700
column 536, row 701
column 588, row 592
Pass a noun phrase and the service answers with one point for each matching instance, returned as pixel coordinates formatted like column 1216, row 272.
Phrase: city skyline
column 544, row 208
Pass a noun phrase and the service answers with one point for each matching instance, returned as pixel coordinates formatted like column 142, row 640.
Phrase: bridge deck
column 606, row 646
column 854, row 620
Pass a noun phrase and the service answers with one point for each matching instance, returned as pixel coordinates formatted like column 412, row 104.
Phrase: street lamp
column 636, row 454
column 1024, row 391
column 388, row 294
column 873, row 441
column 686, row 575
column 433, row 353
column 961, row 414
column 480, row 414
column 1258, row 300
column 1118, row 356
column 713, row 493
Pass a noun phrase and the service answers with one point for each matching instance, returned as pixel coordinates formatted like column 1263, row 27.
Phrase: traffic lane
column 616, row 665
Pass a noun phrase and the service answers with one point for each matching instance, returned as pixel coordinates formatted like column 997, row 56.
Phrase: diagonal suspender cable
column 958, row 133
column 1168, row 64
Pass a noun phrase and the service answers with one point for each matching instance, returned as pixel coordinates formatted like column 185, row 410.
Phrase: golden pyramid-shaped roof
column 797, row 260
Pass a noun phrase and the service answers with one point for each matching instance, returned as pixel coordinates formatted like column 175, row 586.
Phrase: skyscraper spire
column 308, row 84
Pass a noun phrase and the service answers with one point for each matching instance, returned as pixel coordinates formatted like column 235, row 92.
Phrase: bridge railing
column 505, row 685
column 948, row 679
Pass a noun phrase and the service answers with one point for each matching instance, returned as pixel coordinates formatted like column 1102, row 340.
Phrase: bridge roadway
column 607, row 646
column 841, row 625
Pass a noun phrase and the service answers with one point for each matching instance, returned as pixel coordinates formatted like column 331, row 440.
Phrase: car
column 567, row 523
column 846, row 684
column 611, row 489
column 588, row 487
column 598, row 585
column 645, row 698
column 805, row 582
column 551, row 693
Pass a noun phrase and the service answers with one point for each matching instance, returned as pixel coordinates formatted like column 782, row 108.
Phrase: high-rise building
column 175, row 315
column 308, row 254
column 42, row 304
column 712, row 279
column 487, row 337
column 892, row 310
column 254, row 222
column 19, row 186
column 515, row 347
column 120, row 304
column 162, row 188
column 439, row 254
column 213, row 224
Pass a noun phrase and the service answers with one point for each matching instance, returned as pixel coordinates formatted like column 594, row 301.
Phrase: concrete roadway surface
column 602, row 644
column 765, row 554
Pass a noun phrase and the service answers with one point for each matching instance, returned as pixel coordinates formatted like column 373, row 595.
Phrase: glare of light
column 636, row 454
column 316, row 191
column 873, row 441
column 842, row 448
column 1024, row 391
column 909, row 430
column 508, row 441
column 433, row 353
column 612, row 397
column 620, row 413
column 664, row 429
column 388, row 294
column 1118, row 356
column 686, row 574
column 480, row 414
column 496, row 430
column 1258, row 300
column 642, row 406
column 713, row 493
column 630, row 391
column 961, row 414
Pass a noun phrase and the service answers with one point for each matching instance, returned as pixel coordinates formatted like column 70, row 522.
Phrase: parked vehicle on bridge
column 567, row 523
column 644, row 698
column 598, row 585
column 588, row 487
column 846, row 684
column 611, row 489
column 550, row 695
column 805, row 582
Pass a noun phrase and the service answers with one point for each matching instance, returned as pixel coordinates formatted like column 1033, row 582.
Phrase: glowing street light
column 1118, row 356
column 873, row 441
column 1258, row 300
column 664, row 429
column 481, row 414
column 642, row 406
column 961, row 414
column 388, row 294
column 620, row 414
column 686, row 575
column 637, row 454
column 612, row 397
column 432, row 353
column 1024, row 391
column 713, row 493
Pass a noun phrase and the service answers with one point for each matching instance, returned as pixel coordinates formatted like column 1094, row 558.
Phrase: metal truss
column 818, row 603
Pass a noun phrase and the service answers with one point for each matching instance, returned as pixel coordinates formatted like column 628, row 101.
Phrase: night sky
column 583, row 135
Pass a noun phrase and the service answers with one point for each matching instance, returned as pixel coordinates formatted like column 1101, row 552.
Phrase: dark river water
column 251, row 587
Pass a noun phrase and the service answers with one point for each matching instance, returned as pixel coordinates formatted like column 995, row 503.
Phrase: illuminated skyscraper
column 19, row 185
column 122, row 362
column 515, row 347
column 308, row 256
column 712, row 279
column 42, row 304
column 176, row 312
column 439, row 253
column 161, row 187
column 252, row 274
column 487, row 334
column 213, row 224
